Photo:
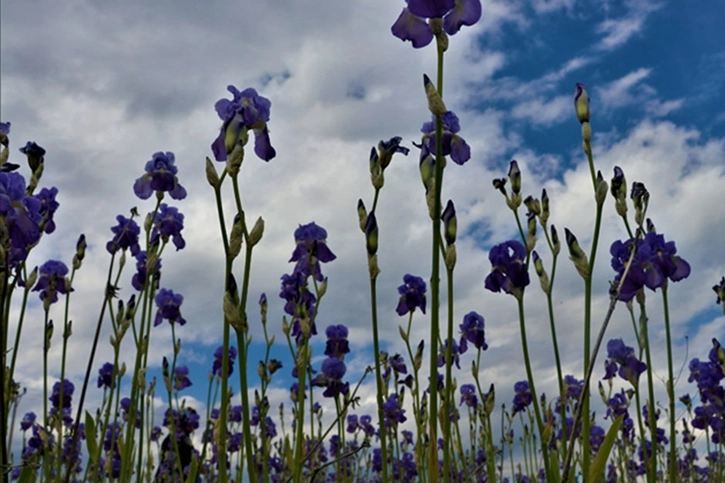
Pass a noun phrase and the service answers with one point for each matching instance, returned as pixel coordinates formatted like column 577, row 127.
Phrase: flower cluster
column 709, row 376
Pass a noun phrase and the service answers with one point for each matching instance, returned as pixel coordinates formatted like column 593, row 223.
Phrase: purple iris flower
column 52, row 280
column 139, row 278
column 337, row 344
column 169, row 222
column 54, row 398
column 48, row 207
column 468, row 395
column 411, row 24
column 664, row 258
column 246, row 110
column 311, row 249
column 216, row 368
column 21, row 213
column 508, row 271
column 4, row 131
column 456, row 351
column 622, row 357
column 105, row 376
column 29, row 418
column 332, row 372
column 451, row 143
column 169, row 307
column 125, row 236
column 35, row 155
column 394, row 414
column 181, row 378
column 523, row 396
column 412, row 295
column 472, row 330
column 160, row 176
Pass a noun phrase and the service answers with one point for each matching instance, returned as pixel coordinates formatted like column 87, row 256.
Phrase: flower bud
column 32, row 278
column 375, row 167
column 490, row 400
column 371, row 234
column 601, row 191
column 581, row 103
column 373, row 267
column 651, row 226
column 533, row 205
column 577, row 255
column 515, row 176
column 362, row 215
column 541, row 272
column 556, row 245
column 322, row 289
column 500, row 184
column 586, row 133
column 435, row 103
column 388, row 148
column 451, row 256
column 257, row 231
column 640, row 200
column 720, row 291
column 427, row 171
column 235, row 238
column 531, row 232
column 450, row 223
column 211, row 175
column 619, row 191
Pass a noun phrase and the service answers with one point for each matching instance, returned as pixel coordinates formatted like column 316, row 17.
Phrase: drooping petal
column 142, row 187
column 413, row 28
column 460, row 150
column 262, row 145
column 465, row 12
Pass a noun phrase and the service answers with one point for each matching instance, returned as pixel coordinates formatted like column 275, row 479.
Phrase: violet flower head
column 330, row 377
column 469, row 395
column 105, row 376
column 169, row 307
column 181, row 378
column 412, row 295
column 622, row 356
column 168, row 223
column 21, row 214
column 388, row 149
column 4, row 131
column 411, row 24
column 337, row 344
column 508, row 270
column 28, row 420
column 160, row 177
column 522, row 397
column 247, row 110
column 451, row 143
column 52, row 280
column 311, row 249
column 394, row 413
column 48, row 207
column 456, row 351
column 472, row 330
column 139, row 278
column 216, row 368
column 664, row 258
column 68, row 389
column 125, row 236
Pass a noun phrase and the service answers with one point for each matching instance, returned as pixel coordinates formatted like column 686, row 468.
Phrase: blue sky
column 104, row 85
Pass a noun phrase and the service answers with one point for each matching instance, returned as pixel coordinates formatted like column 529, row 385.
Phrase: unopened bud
column 371, row 234
column 581, row 102
column 541, row 272
column 362, row 215
column 451, row 256
column 235, row 238
column 257, row 231
column 211, row 175
column 515, row 176
column 577, row 255
column 435, row 102
column 601, row 190
column 544, row 217
column 450, row 223
column 555, row 243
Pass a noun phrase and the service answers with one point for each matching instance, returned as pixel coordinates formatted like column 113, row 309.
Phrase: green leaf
column 91, row 442
column 26, row 474
column 596, row 470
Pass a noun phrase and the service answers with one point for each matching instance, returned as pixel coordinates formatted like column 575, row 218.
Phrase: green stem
column 379, row 378
column 644, row 330
column 670, row 388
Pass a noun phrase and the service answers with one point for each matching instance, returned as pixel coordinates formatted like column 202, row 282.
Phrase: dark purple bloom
column 169, row 307
column 28, row 420
column 523, row 397
column 48, row 207
column 508, row 271
column 472, row 330
column 139, row 278
column 573, row 387
column 105, row 376
column 456, row 351
column 160, row 177
column 218, row 356
column 388, row 149
column 451, row 143
column 411, row 24
column 68, row 388
column 125, row 236
column 181, row 378
column 169, row 222
column 52, row 280
column 337, row 344
column 468, row 395
column 412, row 295
column 247, row 110
column 394, row 414
column 311, row 249
column 35, row 155
column 352, row 423
column 332, row 372
column 21, row 213
column 4, row 131
column 664, row 259
column 622, row 356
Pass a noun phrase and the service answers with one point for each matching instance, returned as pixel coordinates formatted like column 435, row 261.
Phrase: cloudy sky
column 103, row 85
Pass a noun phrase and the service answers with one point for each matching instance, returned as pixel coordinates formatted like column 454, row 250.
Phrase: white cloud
column 616, row 32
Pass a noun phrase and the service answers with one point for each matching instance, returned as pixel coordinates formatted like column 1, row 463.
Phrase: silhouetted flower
column 105, row 376
column 394, row 414
column 469, row 395
column 412, row 295
column 27, row 421
column 169, row 222
column 54, row 398
column 160, row 177
column 622, row 357
column 52, row 280
column 48, row 207
column 21, row 214
column 337, row 344
column 169, row 307
column 218, row 356
column 472, row 330
column 181, row 378
column 311, row 249
column 35, row 155
column 523, row 397
column 139, row 278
